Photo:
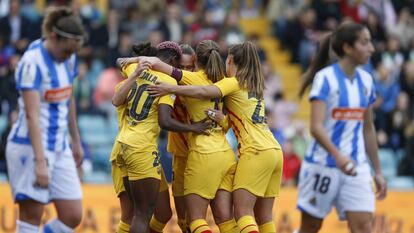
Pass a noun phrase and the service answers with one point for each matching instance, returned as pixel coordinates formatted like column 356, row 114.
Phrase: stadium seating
column 388, row 162
column 401, row 183
column 3, row 122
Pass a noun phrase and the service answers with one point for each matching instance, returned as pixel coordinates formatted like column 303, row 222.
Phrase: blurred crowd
column 297, row 24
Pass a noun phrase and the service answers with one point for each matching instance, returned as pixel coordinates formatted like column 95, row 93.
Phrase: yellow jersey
column 216, row 140
column 247, row 117
column 120, row 110
column 140, row 128
column 177, row 141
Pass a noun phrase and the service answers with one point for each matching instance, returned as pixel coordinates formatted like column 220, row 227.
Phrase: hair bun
column 170, row 45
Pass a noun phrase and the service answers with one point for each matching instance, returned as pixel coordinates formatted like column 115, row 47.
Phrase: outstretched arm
column 200, row 92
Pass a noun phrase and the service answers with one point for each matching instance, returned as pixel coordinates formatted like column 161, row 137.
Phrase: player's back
column 247, row 116
column 141, row 129
column 196, row 108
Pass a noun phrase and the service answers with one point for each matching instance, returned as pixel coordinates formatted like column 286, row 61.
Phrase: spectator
column 172, row 25
column 291, row 164
column 387, row 88
column 12, row 117
column 400, row 118
column 404, row 29
column 16, row 27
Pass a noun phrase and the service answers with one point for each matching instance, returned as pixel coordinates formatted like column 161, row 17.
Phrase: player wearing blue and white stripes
column 44, row 147
column 336, row 171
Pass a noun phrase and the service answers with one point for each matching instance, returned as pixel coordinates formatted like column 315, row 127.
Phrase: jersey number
column 136, row 94
column 321, row 184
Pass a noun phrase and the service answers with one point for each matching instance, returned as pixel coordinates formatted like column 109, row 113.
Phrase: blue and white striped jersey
column 346, row 101
column 37, row 70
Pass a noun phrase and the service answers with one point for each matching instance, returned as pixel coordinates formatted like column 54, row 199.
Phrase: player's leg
column 222, row 208
column 222, row 204
column 248, row 187
column 144, row 174
column 196, row 210
column 202, row 178
column 356, row 200
column 318, row 189
column 29, row 198
column 309, row 224
column 144, row 196
column 263, row 209
column 122, row 190
column 179, row 164
column 66, row 194
column 244, row 202
column 163, row 212
column 30, row 214
column 359, row 222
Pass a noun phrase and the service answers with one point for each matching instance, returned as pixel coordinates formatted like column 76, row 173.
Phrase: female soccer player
column 258, row 173
column 138, row 157
column 208, row 154
column 336, row 170
column 162, row 212
column 41, row 163
column 178, row 145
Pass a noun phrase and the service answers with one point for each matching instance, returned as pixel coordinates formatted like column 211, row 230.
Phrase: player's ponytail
column 249, row 72
column 346, row 33
column 209, row 59
column 320, row 60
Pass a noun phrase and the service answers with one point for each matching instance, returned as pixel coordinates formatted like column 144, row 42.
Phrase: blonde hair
column 209, row 59
column 249, row 72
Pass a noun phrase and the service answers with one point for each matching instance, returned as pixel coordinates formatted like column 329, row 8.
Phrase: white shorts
column 64, row 183
column 321, row 188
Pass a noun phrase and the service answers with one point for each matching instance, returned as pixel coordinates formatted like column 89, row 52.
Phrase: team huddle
column 197, row 97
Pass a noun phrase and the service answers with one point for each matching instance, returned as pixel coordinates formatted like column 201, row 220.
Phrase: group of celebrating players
column 196, row 97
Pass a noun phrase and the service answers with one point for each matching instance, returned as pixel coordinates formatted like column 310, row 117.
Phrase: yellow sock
column 247, row 224
column 182, row 223
column 200, row 226
column 156, row 226
column 123, row 227
column 268, row 227
column 228, row 227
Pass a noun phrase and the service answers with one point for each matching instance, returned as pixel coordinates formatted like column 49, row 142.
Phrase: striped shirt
column 346, row 101
column 37, row 70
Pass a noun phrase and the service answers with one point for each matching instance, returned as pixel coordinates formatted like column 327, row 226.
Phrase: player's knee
column 72, row 219
column 361, row 227
column 222, row 215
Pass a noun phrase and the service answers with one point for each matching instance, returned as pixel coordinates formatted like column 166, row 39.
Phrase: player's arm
column 219, row 117
column 168, row 123
column 372, row 151
column 74, row 133
column 318, row 110
column 120, row 96
column 31, row 99
column 200, row 92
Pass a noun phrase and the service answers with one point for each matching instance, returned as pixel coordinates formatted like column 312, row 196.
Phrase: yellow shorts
column 260, row 172
column 118, row 181
column 178, row 166
column 138, row 165
column 207, row 173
